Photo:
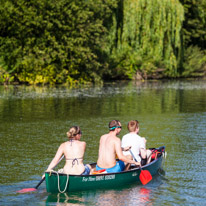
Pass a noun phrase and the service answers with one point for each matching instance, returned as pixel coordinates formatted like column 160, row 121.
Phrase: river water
column 34, row 122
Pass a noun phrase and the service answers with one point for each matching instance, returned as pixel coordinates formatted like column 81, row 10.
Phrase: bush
column 194, row 62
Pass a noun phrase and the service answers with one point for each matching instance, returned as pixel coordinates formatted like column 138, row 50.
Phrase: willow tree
column 146, row 36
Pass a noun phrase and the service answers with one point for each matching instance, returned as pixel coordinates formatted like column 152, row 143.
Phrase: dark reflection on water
column 34, row 121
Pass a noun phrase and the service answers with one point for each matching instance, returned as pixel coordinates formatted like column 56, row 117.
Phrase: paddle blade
column 26, row 190
column 145, row 177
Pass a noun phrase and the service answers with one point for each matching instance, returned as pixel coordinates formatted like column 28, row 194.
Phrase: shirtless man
column 110, row 146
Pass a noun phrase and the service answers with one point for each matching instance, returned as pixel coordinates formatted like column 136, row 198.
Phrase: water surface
column 34, row 122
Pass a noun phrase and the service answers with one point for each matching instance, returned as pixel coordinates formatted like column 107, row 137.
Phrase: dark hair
column 132, row 125
column 114, row 124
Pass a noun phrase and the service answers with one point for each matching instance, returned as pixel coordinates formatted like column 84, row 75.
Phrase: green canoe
column 58, row 182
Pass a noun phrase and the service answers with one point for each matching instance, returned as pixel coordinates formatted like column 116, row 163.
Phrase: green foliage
column 72, row 42
column 5, row 77
column 61, row 39
column 194, row 26
column 195, row 62
column 194, row 33
column 149, row 36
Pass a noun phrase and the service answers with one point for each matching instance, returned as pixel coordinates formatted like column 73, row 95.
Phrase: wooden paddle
column 145, row 175
column 42, row 180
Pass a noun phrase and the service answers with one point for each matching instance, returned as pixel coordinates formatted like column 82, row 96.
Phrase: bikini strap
column 71, row 140
column 74, row 160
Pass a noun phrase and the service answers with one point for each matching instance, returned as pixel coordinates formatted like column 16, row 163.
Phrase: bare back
column 107, row 150
column 74, row 154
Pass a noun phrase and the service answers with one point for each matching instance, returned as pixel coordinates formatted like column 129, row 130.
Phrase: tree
column 53, row 41
column 145, row 36
column 194, row 25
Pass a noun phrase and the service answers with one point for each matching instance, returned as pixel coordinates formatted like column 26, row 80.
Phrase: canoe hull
column 67, row 183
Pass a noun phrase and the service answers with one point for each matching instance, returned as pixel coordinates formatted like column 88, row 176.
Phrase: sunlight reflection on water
column 26, row 92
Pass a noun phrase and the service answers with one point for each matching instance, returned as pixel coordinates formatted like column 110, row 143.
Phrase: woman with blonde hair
column 73, row 151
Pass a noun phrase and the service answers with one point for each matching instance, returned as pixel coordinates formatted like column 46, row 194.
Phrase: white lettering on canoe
column 134, row 174
column 91, row 179
column 84, row 179
column 109, row 177
column 99, row 178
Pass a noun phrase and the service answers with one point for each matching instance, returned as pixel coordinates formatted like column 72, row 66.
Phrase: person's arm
column 126, row 148
column 120, row 155
column 57, row 157
column 143, row 151
column 84, row 147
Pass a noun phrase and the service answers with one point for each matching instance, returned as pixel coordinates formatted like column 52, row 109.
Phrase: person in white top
column 137, row 143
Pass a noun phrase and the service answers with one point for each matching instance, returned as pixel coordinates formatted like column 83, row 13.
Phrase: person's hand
column 43, row 176
column 138, row 164
column 126, row 148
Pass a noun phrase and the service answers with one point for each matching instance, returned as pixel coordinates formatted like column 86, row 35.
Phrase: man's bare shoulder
column 117, row 139
column 104, row 136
